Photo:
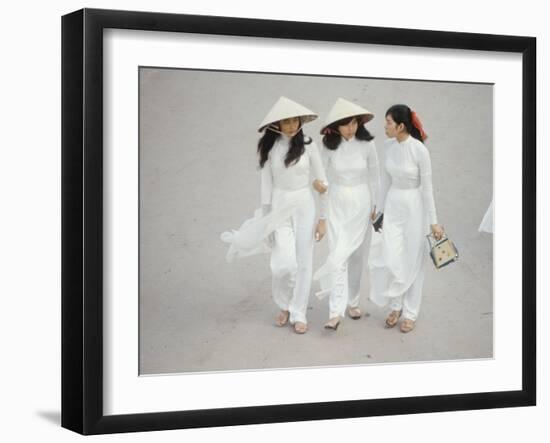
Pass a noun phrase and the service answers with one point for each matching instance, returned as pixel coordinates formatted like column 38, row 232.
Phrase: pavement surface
column 199, row 177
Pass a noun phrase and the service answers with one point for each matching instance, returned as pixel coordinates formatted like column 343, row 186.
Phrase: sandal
column 392, row 319
column 300, row 328
column 333, row 323
column 354, row 313
column 407, row 325
column 282, row 318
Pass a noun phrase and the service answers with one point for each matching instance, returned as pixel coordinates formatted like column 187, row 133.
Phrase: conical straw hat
column 286, row 108
column 343, row 109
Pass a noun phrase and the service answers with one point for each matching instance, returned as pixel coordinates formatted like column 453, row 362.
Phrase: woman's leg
column 410, row 301
column 283, row 266
column 355, row 270
column 339, row 294
column 413, row 297
column 396, row 303
column 304, row 230
column 408, row 304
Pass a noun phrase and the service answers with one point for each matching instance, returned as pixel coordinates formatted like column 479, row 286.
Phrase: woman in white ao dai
column 397, row 260
column 351, row 163
column 286, row 224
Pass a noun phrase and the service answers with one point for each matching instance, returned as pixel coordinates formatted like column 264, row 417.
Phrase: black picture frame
column 82, row 216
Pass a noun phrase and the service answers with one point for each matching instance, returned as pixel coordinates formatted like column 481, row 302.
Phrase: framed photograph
column 208, row 165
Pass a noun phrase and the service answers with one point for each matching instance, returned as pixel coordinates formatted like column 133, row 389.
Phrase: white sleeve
column 373, row 169
column 385, row 178
column 326, row 157
column 425, row 167
column 316, row 163
column 266, row 186
column 318, row 174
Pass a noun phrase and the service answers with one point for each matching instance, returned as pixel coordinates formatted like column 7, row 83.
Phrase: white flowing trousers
column 292, row 252
column 348, row 219
column 398, row 256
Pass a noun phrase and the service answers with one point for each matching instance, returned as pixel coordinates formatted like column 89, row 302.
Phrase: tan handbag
column 442, row 251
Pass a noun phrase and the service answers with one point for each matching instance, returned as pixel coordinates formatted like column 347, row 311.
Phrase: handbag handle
column 435, row 242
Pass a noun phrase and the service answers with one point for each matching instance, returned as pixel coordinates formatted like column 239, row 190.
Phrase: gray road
column 199, row 177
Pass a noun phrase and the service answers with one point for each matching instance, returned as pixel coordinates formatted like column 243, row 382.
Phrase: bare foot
column 282, row 318
column 407, row 325
column 354, row 313
column 333, row 323
column 300, row 328
column 392, row 319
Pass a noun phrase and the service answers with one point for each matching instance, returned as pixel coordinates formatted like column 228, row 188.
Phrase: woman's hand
column 321, row 230
column 373, row 213
column 437, row 231
column 319, row 186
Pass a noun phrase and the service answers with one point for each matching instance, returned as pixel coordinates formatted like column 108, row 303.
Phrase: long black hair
column 332, row 138
column 403, row 114
column 295, row 150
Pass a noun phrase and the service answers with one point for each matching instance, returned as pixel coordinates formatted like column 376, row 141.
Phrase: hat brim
column 365, row 118
column 303, row 118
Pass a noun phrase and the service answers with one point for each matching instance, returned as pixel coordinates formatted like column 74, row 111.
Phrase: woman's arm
column 425, row 167
column 385, row 178
column 320, row 186
column 373, row 170
column 266, row 186
column 319, row 176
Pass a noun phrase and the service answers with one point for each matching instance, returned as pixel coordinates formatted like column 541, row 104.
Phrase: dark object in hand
column 377, row 222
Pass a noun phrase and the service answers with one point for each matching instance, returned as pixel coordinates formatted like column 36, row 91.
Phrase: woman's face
column 392, row 128
column 290, row 126
column 348, row 131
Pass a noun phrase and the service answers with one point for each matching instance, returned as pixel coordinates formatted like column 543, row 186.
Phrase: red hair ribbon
column 328, row 130
column 418, row 125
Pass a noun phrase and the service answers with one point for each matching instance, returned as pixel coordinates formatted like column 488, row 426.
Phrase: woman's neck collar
column 284, row 137
column 347, row 140
column 401, row 138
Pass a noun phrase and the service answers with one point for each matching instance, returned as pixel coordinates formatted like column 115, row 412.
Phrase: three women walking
column 288, row 221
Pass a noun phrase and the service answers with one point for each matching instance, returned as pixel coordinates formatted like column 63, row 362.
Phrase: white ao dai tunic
column 398, row 256
column 353, row 175
column 287, row 191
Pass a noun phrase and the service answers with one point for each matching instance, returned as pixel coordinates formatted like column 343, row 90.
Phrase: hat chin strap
column 274, row 129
